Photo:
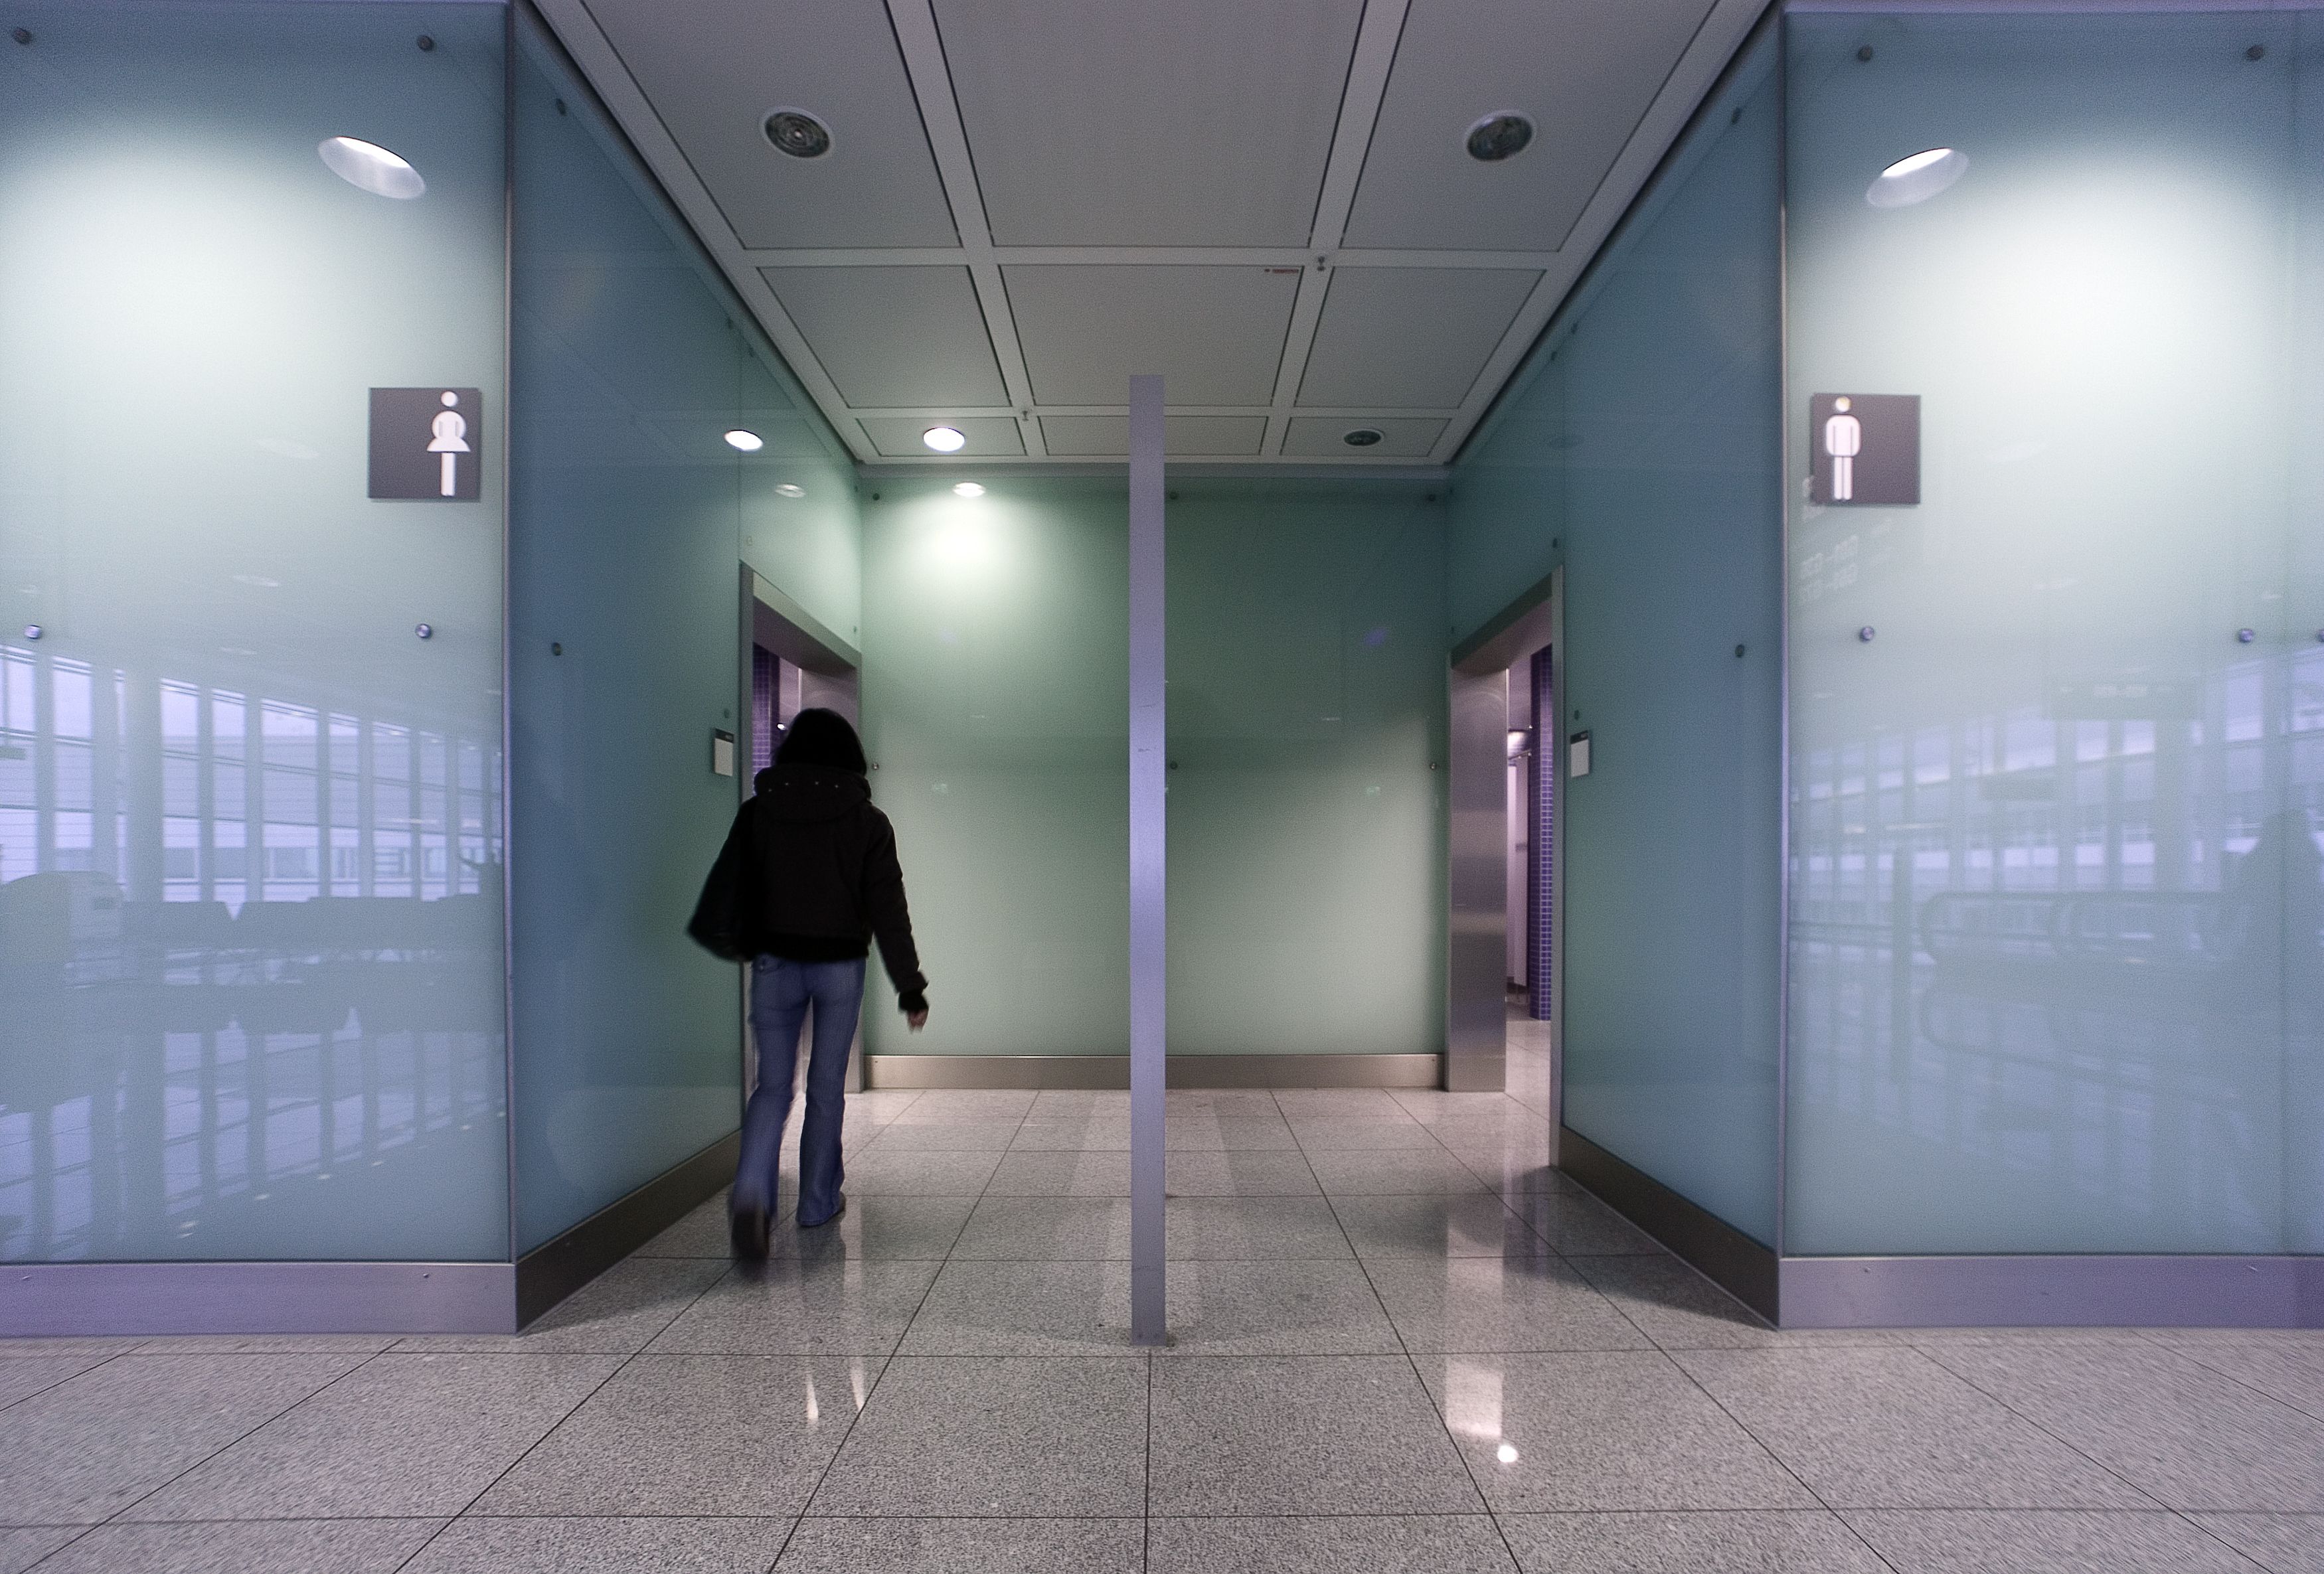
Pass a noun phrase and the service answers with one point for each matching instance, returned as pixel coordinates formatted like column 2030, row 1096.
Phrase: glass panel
column 996, row 701
column 2051, row 813
column 250, row 826
column 1640, row 447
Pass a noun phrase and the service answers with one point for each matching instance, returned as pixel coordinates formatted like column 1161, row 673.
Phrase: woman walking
column 808, row 880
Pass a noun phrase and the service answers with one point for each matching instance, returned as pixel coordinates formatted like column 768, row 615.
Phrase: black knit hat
column 824, row 738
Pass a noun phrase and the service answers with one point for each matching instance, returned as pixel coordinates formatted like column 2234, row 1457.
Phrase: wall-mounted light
column 968, row 489
column 1917, row 179
column 944, row 440
column 790, row 489
column 370, row 166
column 746, row 442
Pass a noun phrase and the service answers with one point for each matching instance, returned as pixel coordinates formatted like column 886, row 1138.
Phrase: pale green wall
column 1308, row 715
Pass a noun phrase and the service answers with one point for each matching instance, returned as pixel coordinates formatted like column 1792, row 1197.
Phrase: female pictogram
column 450, row 429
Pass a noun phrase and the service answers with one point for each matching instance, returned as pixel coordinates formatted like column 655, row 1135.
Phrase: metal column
column 1147, row 971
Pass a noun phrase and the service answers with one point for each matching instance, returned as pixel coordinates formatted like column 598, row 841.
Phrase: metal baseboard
column 152, row 1299
column 2053, row 1292
column 1722, row 1252
column 553, row 1270
column 1186, row 1071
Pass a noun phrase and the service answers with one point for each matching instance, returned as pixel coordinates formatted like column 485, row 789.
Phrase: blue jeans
column 780, row 993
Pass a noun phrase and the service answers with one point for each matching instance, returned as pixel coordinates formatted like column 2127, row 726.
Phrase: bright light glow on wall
column 370, row 167
column 968, row 489
column 944, row 440
column 748, row 442
column 1918, row 178
column 790, row 489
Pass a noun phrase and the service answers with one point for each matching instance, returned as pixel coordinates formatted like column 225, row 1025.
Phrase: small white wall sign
column 426, row 444
column 1577, row 754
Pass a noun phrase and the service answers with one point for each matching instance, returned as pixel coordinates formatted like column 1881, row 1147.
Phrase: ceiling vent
column 1502, row 134
column 798, row 133
column 1362, row 438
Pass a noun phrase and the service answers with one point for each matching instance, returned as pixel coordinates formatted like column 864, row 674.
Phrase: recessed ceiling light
column 1362, row 438
column 370, row 167
column 1917, row 179
column 798, row 133
column 1502, row 134
column 748, row 442
column 944, row 440
column 790, row 489
column 967, row 489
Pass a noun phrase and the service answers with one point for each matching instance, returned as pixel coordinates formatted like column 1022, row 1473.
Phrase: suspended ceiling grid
column 1266, row 201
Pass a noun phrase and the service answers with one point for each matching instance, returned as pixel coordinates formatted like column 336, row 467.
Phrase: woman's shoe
column 827, row 1218
column 749, row 1228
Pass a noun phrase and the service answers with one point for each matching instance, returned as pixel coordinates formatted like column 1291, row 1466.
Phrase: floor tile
column 1061, row 1175
column 274, row 1344
column 1039, row 1136
column 1023, row 1308
column 1792, row 1541
column 617, row 1313
column 2282, row 1544
column 692, row 1434
column 996, row 1436
column 1874, row 1427
column 1366, row 1544
column 1063, row 1103
column 2294, row 1374
column 1046, row 1228
column 1254, row 1227
column 702, row 1233
column 1499, row 1304
column 1310, row 1434
column 283, row 1546
column 1472, row 1226
column 693, row 1545
column 88, row 1448
column 941, row 1105
column 1229, row 1135
column 784, row 1307
column 1434, row 1106
column 1579, row 1225
column 21, row 1549
column 49, row 1348
column 1222, row 1104
column 1972, row 1542
column 1680, row 1310
column 401, row 1435
column 952, row 1137
column 964, row 1546
column 1347, row 1172
column 1338, row 1104
column 1518, row 1175
column 880, row 1106
column 877, row 1229
column 1364, row 1136
column 1600, row 1431
column 1239, row 1173
column 21, row 1379
column 2193, row 1437
column 919, row 1175
column 1290, row 1308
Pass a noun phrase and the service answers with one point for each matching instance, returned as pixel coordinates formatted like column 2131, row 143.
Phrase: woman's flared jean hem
column 782, row 993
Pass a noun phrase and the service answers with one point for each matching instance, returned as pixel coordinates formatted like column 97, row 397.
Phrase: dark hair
column 824, row 738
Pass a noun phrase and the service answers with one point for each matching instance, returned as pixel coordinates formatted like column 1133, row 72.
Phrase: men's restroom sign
column 1867, row 447
column 426, row 443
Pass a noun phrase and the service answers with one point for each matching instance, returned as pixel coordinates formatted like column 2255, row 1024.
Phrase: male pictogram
column 1843, row 440
column 1864, row 449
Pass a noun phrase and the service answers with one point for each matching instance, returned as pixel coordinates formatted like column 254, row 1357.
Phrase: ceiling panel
column 1409, row 339
column 894, row 335
column 713, row 68
column 1314, row 436
column 1216, row 334
column 898, row 437
column 1200, row 123
column 1107, row 436
column 1584, row 70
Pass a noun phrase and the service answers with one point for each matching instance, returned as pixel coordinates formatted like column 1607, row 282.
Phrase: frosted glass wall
column 631, row 517
column 250, row 824
column 2055, row 976
column 1640, row 449
column 1306, row 746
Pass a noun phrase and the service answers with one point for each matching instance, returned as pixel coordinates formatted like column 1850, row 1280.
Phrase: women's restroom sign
column 426, row 443
column 1867, row 447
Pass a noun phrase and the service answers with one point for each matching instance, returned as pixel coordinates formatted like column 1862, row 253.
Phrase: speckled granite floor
column 1402, row 1344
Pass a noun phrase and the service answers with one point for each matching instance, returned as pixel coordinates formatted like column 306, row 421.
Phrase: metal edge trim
column 1782, row 41
column 509, row 43
column 785, row 606
column 1186, row 469
column 559, row 1266
column 96, row 1300
column 930, row 1071
column 1714, row 1248
column 2053, row 1292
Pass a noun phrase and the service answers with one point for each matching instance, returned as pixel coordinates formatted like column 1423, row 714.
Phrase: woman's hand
column 916, row 1019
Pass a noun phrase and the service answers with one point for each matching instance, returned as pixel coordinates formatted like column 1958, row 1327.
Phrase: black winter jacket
column 810, row 873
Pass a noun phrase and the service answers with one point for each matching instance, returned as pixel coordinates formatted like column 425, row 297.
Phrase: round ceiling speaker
column 1502, row 134
column 1362, row 438
column 798, row 133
